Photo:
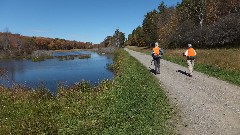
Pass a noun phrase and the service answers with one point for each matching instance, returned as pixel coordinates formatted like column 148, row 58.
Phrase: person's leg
column 190, row 68
column 155, row 65
column 158, row 66
column 192, row 61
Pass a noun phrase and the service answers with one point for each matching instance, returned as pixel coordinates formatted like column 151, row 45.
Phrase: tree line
column 204, row 23
column 18, row 45
column 117, row 40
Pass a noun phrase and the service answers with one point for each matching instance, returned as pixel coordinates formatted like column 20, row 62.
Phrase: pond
column 53, row 72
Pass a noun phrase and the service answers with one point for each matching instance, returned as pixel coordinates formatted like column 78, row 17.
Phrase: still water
column 53, row 72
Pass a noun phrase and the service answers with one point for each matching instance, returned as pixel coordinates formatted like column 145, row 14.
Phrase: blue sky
column 80, row 20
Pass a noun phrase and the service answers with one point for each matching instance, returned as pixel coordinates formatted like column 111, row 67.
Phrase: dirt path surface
column 207, row 106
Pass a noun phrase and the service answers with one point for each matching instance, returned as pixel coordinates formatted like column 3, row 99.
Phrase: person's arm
column 186, row 53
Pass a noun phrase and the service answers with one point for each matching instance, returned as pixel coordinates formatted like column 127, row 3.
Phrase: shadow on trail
column 183, row 72
column 152, row 70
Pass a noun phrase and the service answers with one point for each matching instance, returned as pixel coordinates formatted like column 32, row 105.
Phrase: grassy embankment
column 132, row 103
column 223, row 64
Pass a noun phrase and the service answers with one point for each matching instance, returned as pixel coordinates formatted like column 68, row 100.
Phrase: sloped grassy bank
column 132, row 103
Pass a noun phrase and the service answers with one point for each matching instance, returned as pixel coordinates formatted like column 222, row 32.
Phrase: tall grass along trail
column 206, row 105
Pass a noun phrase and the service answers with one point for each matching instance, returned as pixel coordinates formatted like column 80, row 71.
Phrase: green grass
column 132, row 103
column 223, row 74
column 136, row 105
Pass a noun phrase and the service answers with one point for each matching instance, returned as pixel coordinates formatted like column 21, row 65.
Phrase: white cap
column 189, row 45
column 156, row 43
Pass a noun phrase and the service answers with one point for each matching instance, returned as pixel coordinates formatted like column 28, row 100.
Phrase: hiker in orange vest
column 191, row 55
column 156, row 57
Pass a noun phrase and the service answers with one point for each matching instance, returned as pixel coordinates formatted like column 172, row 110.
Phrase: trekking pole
column 183, row 54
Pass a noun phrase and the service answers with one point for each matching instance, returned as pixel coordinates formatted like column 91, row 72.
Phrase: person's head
column 156, row 44
column 189, row 45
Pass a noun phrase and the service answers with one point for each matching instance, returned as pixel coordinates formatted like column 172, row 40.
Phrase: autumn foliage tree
column 18, row 45
column 117, row 40
column 149, row 27
column 137, row 37
column 204, row 23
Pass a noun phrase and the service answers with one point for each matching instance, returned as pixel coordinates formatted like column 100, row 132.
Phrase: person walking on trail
column 156, row 57
column 191, row 55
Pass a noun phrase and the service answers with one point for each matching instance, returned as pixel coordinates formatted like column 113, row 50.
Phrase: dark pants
column 157, row 65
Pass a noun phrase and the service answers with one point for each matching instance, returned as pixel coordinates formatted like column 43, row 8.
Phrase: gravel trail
column 207, row 106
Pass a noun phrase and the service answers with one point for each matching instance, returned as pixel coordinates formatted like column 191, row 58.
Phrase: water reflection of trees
column 11, row 67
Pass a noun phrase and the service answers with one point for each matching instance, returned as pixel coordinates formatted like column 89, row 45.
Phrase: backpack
column 161, row 51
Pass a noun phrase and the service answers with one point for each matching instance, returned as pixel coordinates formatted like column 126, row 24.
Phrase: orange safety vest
column 191, row 52
column 156, row 50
